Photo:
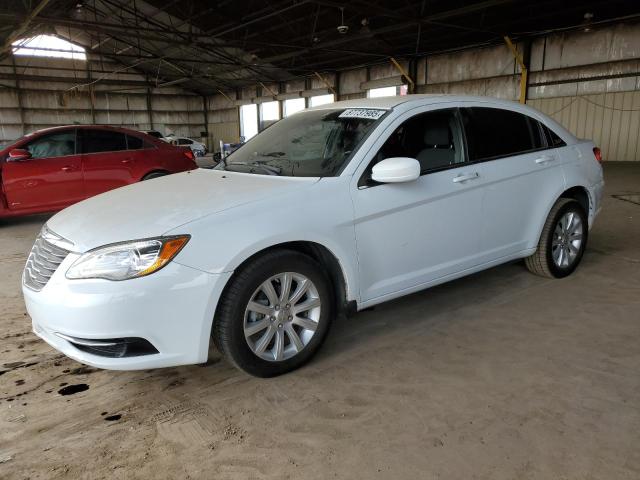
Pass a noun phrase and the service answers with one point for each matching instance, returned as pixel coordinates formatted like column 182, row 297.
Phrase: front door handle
column 68, row 168
column 464, row 178
column 545, row 159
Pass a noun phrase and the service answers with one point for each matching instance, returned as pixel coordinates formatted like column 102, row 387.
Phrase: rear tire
column 263, row 325
column 562, row 242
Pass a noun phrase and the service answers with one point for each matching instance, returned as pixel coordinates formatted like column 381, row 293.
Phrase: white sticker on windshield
column 371, row 113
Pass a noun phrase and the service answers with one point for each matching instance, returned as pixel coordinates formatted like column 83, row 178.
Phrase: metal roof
column 208, row 46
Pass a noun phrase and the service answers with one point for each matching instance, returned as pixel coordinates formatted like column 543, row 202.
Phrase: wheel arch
column 579, row 193
column 320, row 253
column 155, row 170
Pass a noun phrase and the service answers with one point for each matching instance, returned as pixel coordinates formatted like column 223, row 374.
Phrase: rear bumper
column 597, row 192
column 172, row 310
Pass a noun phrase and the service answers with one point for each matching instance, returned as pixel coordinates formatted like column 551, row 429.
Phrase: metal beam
column 149, row 109
column 23, row 26
column 434, row 19
column 115, row 29
column 19, row 95
column 208, row 50
column 523, row 69
column 329, row 86
column 412, row 84
column 390, row 28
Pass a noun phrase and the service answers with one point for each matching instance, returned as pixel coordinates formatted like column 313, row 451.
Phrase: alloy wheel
column 282, row 316
column 567, row 239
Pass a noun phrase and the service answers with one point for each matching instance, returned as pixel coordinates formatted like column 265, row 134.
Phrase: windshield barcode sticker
column 371, row 113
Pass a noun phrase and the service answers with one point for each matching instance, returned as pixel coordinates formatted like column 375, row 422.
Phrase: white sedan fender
column 236, row 235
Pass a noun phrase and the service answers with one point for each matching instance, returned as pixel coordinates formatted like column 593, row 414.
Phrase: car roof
column 85, row 127
column 418, row 99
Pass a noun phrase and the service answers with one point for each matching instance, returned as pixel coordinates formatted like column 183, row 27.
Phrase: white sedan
column 335, row 209
column 199, row 149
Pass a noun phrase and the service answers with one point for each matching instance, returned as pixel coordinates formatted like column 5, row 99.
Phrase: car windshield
column 308, row 144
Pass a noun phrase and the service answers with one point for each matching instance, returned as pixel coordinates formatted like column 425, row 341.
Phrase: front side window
column 309, row 144
column 53, row 145
column 433, row 138
column 494, row 133
column 96, row 141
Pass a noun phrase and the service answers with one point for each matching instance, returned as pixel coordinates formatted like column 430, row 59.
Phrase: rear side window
column 134, row 143
column 95, row 141
column 53, row 145
column 553, row 140
column 493, row 133
column 537, row 133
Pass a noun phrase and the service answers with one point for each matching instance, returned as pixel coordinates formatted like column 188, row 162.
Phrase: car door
column 409, row 235
column 106, row 161
column 521, row 174
column 51, row 179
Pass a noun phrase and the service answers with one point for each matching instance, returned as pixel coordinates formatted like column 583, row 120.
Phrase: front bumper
column 172, row 309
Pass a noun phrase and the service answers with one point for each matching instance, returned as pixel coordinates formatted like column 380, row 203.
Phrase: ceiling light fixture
column 342, row 28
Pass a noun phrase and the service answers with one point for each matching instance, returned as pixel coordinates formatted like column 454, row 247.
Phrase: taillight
column 189, row 154
column 598, row 154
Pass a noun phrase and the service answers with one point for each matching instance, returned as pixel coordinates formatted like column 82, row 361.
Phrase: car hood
column 152, row 208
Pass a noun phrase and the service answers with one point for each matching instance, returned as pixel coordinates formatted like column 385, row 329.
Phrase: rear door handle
column 126, row 160
column 68, row 168
column 545, row 159
column 464, row 178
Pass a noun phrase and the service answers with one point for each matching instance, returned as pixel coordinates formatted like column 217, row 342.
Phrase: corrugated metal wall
column 611, row 120
column 38, row 92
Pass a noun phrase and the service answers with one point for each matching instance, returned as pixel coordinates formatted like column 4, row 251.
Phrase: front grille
column 44, row 259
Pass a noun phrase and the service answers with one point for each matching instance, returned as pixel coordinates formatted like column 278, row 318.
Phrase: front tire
column 562, row 242
column 275, row 313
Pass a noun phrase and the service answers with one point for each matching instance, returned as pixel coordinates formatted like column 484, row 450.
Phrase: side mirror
column 18, row 155
column 396, row 170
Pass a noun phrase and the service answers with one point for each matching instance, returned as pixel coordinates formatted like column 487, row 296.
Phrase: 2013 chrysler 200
column 335, row 208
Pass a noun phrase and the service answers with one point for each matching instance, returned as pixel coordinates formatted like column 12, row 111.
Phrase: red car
column 51, row 169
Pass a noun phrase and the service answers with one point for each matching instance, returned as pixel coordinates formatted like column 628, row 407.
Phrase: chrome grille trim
column 46, row 256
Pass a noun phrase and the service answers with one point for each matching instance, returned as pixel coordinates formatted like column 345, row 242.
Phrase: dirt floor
column 501, row 375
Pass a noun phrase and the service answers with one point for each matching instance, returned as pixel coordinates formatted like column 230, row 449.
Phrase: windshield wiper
column 271, row 170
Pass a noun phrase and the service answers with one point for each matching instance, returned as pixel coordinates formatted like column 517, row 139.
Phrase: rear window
column 494, row 133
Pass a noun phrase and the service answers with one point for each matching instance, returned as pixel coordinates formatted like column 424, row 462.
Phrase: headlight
column 122, row 261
